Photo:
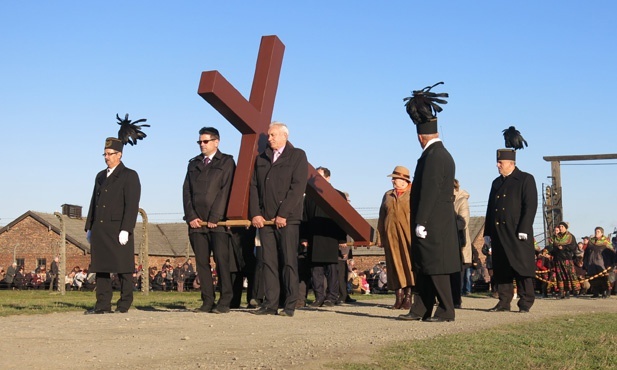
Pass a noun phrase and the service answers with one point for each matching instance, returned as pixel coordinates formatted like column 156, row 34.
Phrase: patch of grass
column 29, row 302
column 565, row 342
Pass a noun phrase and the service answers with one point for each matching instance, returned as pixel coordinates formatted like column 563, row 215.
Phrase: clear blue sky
column 546, row 67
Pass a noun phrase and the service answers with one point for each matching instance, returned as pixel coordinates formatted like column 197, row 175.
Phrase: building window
column 20, row 262
column 41, row 262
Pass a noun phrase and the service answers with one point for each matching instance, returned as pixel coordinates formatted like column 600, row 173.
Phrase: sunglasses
column 204, row 141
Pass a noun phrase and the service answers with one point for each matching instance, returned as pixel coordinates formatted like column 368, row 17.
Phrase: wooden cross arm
column 237, row 223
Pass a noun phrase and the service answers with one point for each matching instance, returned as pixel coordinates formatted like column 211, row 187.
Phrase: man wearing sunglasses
column 205, row 194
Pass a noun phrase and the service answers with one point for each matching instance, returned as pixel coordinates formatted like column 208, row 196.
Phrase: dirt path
column 240, row 340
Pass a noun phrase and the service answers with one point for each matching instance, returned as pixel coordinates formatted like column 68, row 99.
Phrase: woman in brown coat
column 394, row 227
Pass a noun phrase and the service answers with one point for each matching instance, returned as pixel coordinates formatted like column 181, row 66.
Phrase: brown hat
column 114, row 143
column 400, row 172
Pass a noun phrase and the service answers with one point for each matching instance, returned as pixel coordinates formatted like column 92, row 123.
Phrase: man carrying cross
column 276, row 192
column 205, row 195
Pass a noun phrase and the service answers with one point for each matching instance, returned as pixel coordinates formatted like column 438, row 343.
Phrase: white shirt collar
column 430, row 142
column 110, row 171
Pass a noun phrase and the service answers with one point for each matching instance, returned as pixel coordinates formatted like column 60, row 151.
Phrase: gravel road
column 181, row 339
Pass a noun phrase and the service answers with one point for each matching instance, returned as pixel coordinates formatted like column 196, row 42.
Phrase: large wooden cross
column 252, row 118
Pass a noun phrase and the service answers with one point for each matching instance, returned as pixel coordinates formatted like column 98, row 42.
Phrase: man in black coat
column 508, row 230
column 322, row 236
column 435, row 251
column 206, row 193
column 277, row 187
column 109, row 227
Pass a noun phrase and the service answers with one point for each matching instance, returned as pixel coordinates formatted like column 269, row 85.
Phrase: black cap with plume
column 129, row 133
column 514, row 140
column 422, row 108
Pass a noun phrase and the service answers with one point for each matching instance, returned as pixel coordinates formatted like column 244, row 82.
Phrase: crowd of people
column 295, row 244
column 566, row 268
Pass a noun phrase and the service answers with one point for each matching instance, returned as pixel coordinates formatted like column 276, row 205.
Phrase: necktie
column 276, row 156
column 108, row 172
column 206, row 160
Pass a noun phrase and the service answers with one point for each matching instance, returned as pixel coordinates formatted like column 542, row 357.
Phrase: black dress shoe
column 350, row 300
column 203, row 309
column 410, row 317
column 122, row 310
column 316, row 304
column 458, row 306
column 499, row 309
column 523, row 310
column 287, row 313
column 437, row 319
column 95, row 311
column 265, row 311
column 328, row 304
column 220, row 309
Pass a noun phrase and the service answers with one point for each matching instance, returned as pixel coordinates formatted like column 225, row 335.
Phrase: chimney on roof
column 71, row 210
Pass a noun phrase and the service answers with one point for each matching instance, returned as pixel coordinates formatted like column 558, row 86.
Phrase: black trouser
column 456, row 284
column 202, row 244
column 280, row 248
column 256, row 284
column 505, row 289
column 247, row 241
column 342, row 280
column 304, row 275
column 104, row 291
column 431, row 287
column 325, row 273
column 225, row 263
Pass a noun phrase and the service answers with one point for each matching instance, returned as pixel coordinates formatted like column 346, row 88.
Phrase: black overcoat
column 511, row 209
column 321, row 232
column 206, row 189
column 277, row 188
column 432, row 206
column 113, row 208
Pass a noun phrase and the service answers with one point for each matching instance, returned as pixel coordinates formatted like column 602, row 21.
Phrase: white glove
column 88, row 235
column 522, row 236
column 123, row 237
column 420, row 231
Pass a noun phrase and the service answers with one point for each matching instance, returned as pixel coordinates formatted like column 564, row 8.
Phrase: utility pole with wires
column 553, row 205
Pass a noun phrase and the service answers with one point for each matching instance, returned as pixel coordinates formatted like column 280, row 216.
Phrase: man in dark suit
column 205, row 193
column 508, row 230
column 322, row 236
column 109, row 227
column 277, row 187
column 434, row 247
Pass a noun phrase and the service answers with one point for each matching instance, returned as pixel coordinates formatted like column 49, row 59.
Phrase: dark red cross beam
column 252, row 118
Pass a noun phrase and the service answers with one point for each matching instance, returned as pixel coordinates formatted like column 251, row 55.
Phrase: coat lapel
column 109, row 180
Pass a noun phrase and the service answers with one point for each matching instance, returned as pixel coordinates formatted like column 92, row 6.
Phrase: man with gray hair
column 277, row 188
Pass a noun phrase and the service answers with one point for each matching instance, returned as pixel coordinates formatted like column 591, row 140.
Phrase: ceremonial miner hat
column 422, row 108
column 114, row 143
column 514, row 141
column 129, row 133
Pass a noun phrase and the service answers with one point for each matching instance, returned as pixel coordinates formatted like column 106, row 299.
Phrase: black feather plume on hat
column 513, row 138
column 422, row 105
column 129, row 131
